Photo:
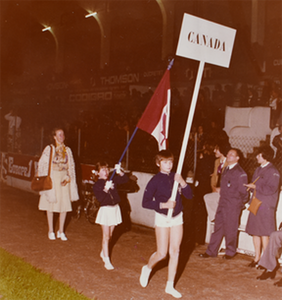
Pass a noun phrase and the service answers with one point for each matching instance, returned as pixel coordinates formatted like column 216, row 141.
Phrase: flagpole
column 124, row 151
column 168, row 68
column 187, row 132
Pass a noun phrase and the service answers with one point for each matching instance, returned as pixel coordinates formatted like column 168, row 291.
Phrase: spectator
column 204, row 169
column 212, row 199
column 277, row 142
column 64, row 189
column 201, row 138
column 275, row 103
column 217, row 134
column 252, row 98
column 269, row 257
column 266, row 189
column 233, row 195
column 14, row 131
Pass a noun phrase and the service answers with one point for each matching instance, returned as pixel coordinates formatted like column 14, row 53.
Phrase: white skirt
column 63, row 203
column 109, row 215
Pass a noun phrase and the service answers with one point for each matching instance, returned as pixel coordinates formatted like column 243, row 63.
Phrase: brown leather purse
column 43, row 183
column 255, row 204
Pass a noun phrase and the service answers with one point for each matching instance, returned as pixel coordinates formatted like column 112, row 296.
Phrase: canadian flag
column 155, row 119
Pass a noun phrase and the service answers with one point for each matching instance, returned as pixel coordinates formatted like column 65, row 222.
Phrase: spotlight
column 90, row 15
column 46, row 28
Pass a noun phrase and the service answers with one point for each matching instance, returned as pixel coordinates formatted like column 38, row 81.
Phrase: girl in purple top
column 169, row 232
column 109, row 214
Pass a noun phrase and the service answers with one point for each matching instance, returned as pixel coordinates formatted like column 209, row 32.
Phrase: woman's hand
column 250, row 186
column 65, row 182
column 178, row 178
column 216, row 189
column 169, row 204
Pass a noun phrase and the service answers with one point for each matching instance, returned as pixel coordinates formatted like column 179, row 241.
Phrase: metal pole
column 78, row 141
column 14, row 134
column 41, row 138
column 124, row 151
column 195, row 153
column 127, row 152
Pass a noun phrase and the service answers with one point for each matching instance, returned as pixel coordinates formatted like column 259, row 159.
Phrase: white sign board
column 206, row 41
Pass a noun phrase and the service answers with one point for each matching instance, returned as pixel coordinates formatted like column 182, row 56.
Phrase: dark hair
column 208, row 147
column 100, row 165
column 267, row 152
column 238, row 152
column 163, row 154
column 223, row 147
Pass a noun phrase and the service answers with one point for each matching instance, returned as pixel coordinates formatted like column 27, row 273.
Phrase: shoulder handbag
column 43, row 183
column 255, row 204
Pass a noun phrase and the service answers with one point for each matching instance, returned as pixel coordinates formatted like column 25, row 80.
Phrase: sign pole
column 187, row 132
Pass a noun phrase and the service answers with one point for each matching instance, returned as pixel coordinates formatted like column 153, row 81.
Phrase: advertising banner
column 18, row 166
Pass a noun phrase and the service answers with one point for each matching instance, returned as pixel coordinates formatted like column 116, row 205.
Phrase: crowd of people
column 109, row 120
column 224, row 194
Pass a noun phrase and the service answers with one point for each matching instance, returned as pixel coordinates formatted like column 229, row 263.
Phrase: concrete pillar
column 258, row 22
column 167, row 11
column 59, row 43
column 104, row 23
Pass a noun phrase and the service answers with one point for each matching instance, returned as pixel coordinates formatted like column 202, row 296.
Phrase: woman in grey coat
column 266, row 189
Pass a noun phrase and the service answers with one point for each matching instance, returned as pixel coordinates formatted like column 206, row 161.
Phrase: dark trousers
column 226, row 225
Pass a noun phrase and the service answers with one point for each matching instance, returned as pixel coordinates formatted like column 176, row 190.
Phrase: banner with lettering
column 205, row 41
column 18, row 166
column 3, row 174
column 25, row 166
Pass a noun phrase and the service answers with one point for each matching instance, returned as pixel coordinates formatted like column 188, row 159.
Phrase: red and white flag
column 155, row 119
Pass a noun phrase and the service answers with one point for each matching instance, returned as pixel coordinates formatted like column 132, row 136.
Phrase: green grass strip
column 21, row 281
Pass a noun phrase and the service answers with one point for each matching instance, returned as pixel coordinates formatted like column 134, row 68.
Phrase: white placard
column 206, row 41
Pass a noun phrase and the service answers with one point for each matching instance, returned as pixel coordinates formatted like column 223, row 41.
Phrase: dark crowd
column 103, row 128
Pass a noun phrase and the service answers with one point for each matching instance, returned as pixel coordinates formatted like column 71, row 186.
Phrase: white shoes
column 171, row 290
column 51, row 236
column 107, row 263
column 144, row 277
column 61, row 236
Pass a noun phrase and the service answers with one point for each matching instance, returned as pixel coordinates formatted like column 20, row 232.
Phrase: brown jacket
column 214, row 177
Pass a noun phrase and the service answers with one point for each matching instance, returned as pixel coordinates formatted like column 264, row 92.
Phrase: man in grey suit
column 233, row 195
column 269, row 257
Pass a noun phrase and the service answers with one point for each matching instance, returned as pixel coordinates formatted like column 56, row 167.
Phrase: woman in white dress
column 64, row 189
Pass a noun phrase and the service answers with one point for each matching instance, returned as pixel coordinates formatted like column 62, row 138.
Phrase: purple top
column 112, row 197
column 159, row 189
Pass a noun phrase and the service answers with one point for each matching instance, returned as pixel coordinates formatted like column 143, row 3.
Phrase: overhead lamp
column 91, row 14
column 46, row 28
